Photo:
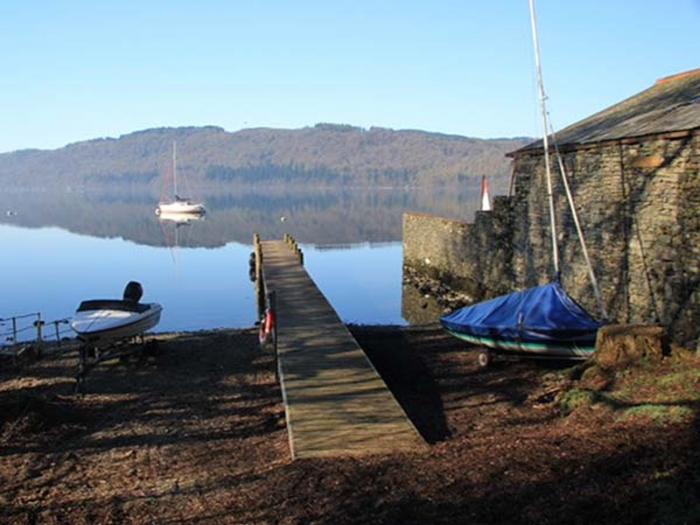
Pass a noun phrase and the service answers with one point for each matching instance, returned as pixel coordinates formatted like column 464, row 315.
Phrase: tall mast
column 175, row 168
column 570, row 198
column 543, row 108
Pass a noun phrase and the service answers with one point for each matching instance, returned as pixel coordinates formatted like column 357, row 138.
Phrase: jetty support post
column 57, row 330
column 294, row 246
column 271, row 300
column 14, row 332
column 39, row 324
column 259, row 284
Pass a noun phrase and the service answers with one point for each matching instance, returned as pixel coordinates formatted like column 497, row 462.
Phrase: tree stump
column 618, row 346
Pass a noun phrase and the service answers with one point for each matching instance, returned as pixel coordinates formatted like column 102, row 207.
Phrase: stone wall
column 474, row 259
column 437, row 247
column 639, row 205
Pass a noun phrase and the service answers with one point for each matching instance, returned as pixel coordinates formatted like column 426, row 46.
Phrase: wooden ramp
column 336, row 403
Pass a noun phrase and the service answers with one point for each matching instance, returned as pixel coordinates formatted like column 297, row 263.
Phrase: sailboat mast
column 543, row 108
column 175, row 168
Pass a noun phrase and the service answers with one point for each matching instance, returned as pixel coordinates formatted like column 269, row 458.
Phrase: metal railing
column 19, row 333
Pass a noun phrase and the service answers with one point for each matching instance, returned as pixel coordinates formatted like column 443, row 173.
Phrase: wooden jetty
column 336, row 403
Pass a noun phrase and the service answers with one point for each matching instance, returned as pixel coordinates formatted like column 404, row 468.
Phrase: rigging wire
column 577, row 223
column 548, row 128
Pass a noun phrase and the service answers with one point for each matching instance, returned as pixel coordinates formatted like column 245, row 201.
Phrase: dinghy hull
column 523, row 348
column 539, row 322
column 102, row 322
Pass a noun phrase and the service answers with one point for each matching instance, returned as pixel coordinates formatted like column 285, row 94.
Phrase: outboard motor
column 133, row 291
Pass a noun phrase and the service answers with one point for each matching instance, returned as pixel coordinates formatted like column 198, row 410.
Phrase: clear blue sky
column 74, row 70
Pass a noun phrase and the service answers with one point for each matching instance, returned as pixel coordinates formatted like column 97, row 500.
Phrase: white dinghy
column 101, row 322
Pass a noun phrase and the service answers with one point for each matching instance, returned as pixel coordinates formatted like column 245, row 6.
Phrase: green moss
column 686, row 379
column 576, row 398
column 680, row 383
column 659, row 413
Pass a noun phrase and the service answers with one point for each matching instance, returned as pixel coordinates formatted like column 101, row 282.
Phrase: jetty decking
column 335, row 402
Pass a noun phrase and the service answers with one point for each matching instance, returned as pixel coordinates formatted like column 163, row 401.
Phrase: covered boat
column 543, row 321
column 103, row 321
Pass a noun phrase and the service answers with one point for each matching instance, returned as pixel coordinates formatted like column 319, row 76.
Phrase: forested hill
column 326, row 154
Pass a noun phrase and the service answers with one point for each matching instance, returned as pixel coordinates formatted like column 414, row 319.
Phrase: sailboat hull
column 180, row 208
column 530, row 349
column 542, row 322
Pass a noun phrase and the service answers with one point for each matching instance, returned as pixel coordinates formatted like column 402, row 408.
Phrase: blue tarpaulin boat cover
column 545, row 314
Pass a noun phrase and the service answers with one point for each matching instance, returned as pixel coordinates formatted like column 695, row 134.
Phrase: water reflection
column 60, row 248
column 335, row 217
column 51, row 271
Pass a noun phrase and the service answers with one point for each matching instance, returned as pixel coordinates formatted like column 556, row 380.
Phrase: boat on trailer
column 543, row 321
column 101, row 322
column 538, row 322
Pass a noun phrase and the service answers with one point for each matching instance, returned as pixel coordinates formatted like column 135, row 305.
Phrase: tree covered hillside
column 326, row 154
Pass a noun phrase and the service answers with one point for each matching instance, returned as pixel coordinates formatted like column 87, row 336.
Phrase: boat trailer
column 135, row 349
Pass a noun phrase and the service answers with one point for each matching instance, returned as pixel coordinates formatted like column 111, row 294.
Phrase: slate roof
column 672, row 104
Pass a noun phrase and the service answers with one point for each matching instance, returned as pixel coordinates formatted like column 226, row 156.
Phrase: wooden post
column 259, row 284
column 39, row 337
column 14, row 339
column 272, row 306
column 56, row 325
column 58, row 335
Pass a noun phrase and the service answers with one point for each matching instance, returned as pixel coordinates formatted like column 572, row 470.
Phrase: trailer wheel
column 484, row 359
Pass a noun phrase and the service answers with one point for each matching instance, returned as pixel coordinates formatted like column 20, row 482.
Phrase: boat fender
column 267, row 327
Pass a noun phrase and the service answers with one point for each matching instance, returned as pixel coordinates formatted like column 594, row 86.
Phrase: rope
column 22, row 316
column 548, row 128
column 46, row 332
column 577, row 223
column 104, row 314
column 18, row 330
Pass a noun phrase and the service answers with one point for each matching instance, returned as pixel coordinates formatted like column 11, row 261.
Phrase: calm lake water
column 62, row 248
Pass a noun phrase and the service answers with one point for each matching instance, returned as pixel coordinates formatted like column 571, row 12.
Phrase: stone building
column 634, row 169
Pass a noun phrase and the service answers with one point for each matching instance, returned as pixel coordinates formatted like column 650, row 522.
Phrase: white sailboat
column 179, row 205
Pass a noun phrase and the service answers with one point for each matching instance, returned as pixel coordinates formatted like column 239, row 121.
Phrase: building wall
column 639, row 205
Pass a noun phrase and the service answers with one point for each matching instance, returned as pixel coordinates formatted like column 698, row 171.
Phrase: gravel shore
column 196, row 434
